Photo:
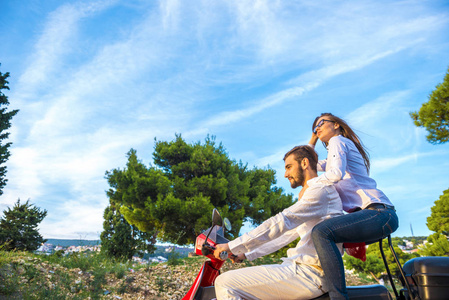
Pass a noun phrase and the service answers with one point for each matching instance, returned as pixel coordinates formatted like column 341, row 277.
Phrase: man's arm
column 273, row 245
column 312, row 205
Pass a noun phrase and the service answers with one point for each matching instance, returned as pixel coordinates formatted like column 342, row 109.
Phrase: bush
column 174, row 259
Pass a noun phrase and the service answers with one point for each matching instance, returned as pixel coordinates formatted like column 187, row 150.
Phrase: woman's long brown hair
column 348, row 133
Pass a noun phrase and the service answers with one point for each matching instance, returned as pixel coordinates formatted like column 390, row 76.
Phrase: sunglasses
column 320, row 123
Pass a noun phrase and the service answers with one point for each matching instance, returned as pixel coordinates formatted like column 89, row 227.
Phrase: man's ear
column 305, row 163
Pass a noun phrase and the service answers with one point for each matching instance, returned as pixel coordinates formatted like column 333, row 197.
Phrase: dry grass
column 92, row 276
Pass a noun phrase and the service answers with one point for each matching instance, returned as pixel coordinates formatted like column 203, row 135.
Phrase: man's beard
column 298, row 179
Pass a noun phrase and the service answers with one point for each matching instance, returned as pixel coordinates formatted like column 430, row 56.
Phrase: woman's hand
column 220, row 248
column 313, row 139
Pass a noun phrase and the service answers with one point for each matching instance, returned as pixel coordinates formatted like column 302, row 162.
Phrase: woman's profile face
column 325, row 128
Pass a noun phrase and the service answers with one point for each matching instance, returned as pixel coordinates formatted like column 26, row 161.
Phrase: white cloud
column 56, row 41
column 74, row 219
column 386, row 106
column 385, row 164
column 163, row 71
column 307, row 81
column 235, row 116
column 170, row 11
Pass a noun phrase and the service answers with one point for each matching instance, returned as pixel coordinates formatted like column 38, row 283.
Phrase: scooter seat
column 365, row 292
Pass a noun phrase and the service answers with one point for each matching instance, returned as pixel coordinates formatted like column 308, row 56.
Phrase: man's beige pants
column 286, row 281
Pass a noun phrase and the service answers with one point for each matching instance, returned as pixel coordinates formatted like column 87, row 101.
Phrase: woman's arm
column 313, row 140
column 321, row 166
column 336, row 161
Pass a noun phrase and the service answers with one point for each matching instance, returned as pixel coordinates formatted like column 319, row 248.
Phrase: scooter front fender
column 205, row 278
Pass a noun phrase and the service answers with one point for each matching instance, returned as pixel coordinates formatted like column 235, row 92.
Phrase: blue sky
column 93, row 79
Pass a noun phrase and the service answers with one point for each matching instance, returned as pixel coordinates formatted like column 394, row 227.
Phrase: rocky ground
column 173, row 282
column 157, row 281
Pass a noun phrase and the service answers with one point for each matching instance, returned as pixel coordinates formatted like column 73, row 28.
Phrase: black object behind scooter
column 422, row 278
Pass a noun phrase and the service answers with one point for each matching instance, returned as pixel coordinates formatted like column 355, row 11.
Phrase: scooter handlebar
column 223, row 255
column 208, row 249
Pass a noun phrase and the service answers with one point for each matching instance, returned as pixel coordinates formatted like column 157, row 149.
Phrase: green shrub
column 174, row 259
column 9, row 283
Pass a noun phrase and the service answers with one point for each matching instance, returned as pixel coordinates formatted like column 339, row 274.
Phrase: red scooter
column 424, row 278
column 203, row 288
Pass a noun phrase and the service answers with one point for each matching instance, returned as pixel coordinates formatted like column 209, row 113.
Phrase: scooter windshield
column 216, row 234
column 213, row 232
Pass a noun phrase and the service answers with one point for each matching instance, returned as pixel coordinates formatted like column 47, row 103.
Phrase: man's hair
column 301, row 152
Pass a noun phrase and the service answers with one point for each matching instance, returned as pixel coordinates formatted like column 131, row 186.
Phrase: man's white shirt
column 319, row 202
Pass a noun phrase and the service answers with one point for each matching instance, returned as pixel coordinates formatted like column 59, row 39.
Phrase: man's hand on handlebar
column 219, row 248
column 237, row 259
column 223, row 252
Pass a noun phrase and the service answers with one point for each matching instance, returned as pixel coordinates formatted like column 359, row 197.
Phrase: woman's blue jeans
column 367, row 225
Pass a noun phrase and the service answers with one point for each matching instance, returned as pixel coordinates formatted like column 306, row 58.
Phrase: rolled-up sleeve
column 321, row 165
column 336, row 161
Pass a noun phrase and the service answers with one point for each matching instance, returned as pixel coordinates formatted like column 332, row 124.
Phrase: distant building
column 408, row 245
column 159, row 259
column 139, row 260
column 411, row 251
column 46, row 248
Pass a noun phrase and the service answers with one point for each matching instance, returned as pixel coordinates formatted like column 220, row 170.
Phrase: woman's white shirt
column 345, row 168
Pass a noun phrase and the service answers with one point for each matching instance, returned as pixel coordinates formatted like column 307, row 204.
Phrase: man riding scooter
column 300, row 275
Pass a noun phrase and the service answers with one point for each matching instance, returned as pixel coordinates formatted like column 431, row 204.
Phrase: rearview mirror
column 227, row 224
column 216, row 218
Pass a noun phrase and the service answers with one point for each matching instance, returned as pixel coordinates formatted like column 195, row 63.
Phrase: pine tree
column 434, row 114
column 439, row 218
column 18, row 227
column 177, row 195
column 5, row 124
column 438, row 243
column 120, row 239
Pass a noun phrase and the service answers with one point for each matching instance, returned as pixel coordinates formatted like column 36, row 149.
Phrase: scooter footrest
column 205, row 293
column 365, row 292
column 369, row 292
